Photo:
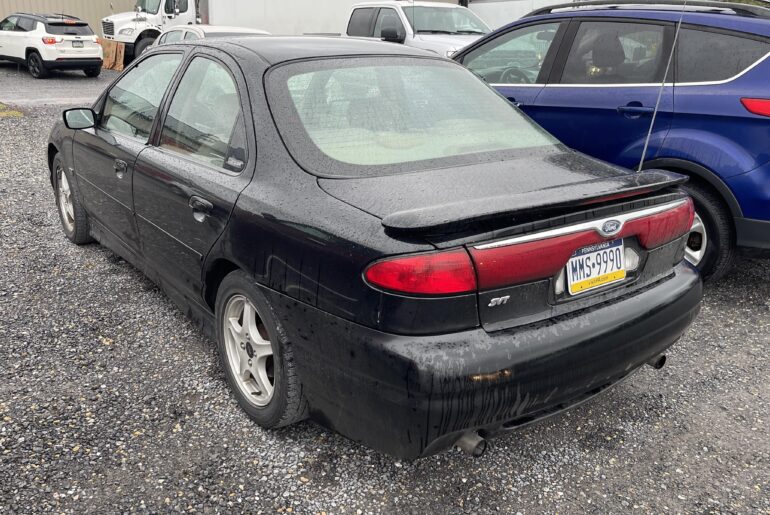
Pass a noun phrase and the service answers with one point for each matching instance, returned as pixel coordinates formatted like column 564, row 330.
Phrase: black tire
column 141, row 46
column 75, row 226
column 93, row 72
column 720, row 251
column 287, row 404
column 36, row 66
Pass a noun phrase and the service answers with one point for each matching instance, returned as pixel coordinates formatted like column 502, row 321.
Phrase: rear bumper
column 413, row 396
column 73, row 64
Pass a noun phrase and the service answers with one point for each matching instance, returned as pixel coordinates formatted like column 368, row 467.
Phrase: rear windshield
column 363, row 116
column 69, row 29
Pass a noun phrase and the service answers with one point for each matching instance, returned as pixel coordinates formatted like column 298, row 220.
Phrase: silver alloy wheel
column 249, row 352
column 696, row 241
column 65, row 200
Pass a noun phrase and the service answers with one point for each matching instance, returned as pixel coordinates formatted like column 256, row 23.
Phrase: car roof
column 46, row 18
column 222, row 29
column 397, row 3
column 276, row 49
column 691, row 6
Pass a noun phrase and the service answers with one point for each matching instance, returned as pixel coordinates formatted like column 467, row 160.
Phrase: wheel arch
column 29, row 50
column 147, row 33
column 52, row 151
column 213, row 276
column 704, row 175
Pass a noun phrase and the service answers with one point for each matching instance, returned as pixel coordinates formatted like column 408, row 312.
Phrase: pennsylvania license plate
column 595, row 266
column 77, row 44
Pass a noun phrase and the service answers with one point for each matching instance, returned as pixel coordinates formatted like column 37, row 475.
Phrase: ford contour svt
column 375, row 238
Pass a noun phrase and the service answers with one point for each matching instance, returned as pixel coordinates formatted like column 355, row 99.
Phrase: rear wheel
column 257, row 357
column 93, row 72
column 35, row 66
column 711, row 243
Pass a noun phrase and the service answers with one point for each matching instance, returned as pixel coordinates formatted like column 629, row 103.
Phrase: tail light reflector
column 438, row 273
column 530, row 258
column 760, row 106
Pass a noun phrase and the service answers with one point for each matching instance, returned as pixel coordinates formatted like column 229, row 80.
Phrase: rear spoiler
column 578, row 194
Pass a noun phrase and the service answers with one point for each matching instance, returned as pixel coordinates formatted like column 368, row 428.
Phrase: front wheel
column 711, row 242
column 142, row 46
column 74, row 219
column 36, row 66
column 256, row 355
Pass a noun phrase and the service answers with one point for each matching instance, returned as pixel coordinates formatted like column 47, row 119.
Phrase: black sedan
column 375, row 238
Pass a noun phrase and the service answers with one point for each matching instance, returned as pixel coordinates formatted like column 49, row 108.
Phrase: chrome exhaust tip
column 657, row 362
column 471, row 443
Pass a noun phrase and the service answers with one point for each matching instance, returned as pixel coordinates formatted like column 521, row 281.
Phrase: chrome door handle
column 201, row 207
column 120, row 168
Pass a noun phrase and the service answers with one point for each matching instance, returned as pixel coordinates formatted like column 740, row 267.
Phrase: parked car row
column 380, row 240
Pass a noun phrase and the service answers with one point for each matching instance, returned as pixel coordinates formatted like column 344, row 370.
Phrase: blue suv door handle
column 634, row 110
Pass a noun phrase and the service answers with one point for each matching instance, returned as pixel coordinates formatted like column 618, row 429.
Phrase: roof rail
column 739, row 9
column 61, row 15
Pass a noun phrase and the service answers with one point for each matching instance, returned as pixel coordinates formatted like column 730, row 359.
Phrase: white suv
column 47, row 42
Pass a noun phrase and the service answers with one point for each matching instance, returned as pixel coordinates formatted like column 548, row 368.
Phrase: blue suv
column 592, row 73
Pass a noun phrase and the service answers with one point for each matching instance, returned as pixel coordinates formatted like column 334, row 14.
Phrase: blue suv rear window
column 706, row 56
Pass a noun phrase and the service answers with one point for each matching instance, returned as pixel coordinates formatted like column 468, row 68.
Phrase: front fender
column 60, row 141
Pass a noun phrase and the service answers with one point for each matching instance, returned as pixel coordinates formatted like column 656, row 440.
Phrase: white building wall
column 501, row 12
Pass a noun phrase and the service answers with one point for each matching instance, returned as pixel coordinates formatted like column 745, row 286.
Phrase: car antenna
column 662, row 86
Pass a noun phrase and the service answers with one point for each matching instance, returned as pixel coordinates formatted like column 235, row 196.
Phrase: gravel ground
column 110, row 400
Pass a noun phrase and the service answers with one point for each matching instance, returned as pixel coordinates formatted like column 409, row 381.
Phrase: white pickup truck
column 442, row 28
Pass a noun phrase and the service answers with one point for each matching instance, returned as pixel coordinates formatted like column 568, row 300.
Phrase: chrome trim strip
column 595, row 225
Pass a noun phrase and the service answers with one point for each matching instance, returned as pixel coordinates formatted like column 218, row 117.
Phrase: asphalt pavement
column 112, row 401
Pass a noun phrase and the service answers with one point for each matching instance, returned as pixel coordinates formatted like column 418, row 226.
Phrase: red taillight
column 50, row 40
column 518, row 263
column 438, row 273
column 760, row 106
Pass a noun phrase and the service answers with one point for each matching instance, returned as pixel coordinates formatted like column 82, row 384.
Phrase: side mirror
column 391, row 35
column 82, row 118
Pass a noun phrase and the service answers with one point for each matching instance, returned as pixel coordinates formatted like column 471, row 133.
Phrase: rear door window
column 711, row 56
column 515, row 57
column 132, row 104
column 605, row 52
column 190, row 35
column 360, row 24
column 204, row 121
column 174, row 36
column 27, row 24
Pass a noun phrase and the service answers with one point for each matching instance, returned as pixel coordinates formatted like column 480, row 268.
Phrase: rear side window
column 132, row 104
column 27, row 24
column 710, row 56
column 173, row 36
column 361, row 22
column 190, row 36
column 204, row 120
column 64, row 29
column 616, row 53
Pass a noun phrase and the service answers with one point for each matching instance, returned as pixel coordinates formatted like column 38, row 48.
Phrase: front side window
column 356, row 117
column 515, row 57
column 132, row 104
column 616, row 53
column 148, row 6
column 190, row 35
column 360, row 24
column 204, row 121
column 175, row 4
column 9, row 24
column 727, row 55
column 388, row 19
column 444, row 20
column 173, row 36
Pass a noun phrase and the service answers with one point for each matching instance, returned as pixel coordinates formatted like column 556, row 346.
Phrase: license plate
column 77, row 44
column 595, row 266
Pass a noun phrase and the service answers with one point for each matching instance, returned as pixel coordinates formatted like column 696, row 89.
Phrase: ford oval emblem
column 611, row 227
